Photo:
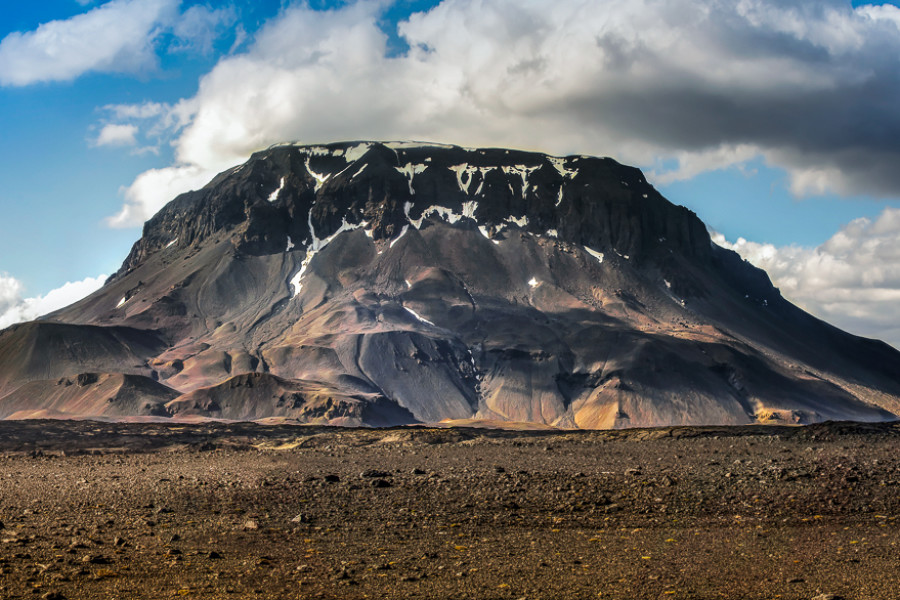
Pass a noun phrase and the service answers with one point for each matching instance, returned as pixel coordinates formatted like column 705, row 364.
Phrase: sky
column 778, row 123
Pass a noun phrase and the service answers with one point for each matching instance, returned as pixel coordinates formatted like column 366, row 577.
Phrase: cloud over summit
column 812, row 87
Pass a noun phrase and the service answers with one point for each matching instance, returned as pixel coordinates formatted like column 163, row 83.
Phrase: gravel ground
column 98, row 510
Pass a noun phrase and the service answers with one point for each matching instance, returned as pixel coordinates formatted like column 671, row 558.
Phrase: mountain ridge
column 454, row 283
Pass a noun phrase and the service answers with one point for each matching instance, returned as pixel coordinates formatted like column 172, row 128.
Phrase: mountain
column 392, row 283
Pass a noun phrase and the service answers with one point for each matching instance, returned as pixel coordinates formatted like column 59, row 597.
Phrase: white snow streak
column 410, row 171
column 316, row 246
column 319, row 177
column 418, row 316
column 402, row 233
column 274, row 195
column 522, row 171
column 595, row 254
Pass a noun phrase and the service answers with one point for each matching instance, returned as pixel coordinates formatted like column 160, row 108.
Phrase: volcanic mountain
column 394, row 283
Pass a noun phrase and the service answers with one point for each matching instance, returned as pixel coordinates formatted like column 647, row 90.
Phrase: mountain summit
column 392, row 283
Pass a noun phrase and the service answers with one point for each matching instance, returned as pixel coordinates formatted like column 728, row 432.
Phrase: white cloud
column 117, row 37
column 199, row 26
column 15, row 309
column 147, row 110
column 808, row 86
column 851, row 281
column 117, row 135
column 120, row 36
column 153, row 189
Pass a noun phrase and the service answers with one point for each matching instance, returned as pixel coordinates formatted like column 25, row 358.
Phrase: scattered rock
column 371, row 473
column 250, row 525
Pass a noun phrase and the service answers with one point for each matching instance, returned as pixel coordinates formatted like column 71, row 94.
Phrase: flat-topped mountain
column 390, row 283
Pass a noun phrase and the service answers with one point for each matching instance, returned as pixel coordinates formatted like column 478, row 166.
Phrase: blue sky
column 775, row 122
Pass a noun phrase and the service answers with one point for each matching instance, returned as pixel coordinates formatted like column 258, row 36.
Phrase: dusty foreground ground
column 93, row 510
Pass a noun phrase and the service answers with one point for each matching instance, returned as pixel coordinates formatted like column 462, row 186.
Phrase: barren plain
column 94, row 510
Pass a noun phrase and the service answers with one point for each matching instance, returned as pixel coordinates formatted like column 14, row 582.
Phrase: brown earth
column 142, row 510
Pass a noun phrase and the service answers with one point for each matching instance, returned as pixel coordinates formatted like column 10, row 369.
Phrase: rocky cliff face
column 304, row 194
column 398, row 283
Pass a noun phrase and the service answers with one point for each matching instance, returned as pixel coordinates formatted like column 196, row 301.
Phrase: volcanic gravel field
column 140, row 510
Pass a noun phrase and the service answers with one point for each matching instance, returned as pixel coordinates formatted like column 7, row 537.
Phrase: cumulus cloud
column 117, row 37
column 15, row 309
column 808, row 86
column 153, row 189
column 852, row 280
column 121, row 36
column 117, row 135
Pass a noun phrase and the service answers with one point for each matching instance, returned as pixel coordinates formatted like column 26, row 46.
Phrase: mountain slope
column 435, row 282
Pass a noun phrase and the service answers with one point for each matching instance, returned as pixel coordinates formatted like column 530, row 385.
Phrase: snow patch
column 410, row 171
column 121, row 302
column 418, row 316
column 290, row 244
column 172, row 243
column 595, row 254
column 668, row 284
column 553, row 233
column 413, row 145
column 320, row 178
column 559, row 164
column 444, row 212
column 354, row 153
column 274, row 195
column 467, row 172
column 522, row 171
column 469, row 209
column 533, row 282
column 522, row 222
column 363, row 168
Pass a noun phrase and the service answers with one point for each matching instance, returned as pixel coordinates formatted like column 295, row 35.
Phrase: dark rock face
column 369, row 283
column 281, row 192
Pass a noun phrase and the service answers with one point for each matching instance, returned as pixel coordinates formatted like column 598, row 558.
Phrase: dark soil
column 97, row 510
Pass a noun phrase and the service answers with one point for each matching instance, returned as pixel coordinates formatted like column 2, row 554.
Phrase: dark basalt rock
column 589, row 201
